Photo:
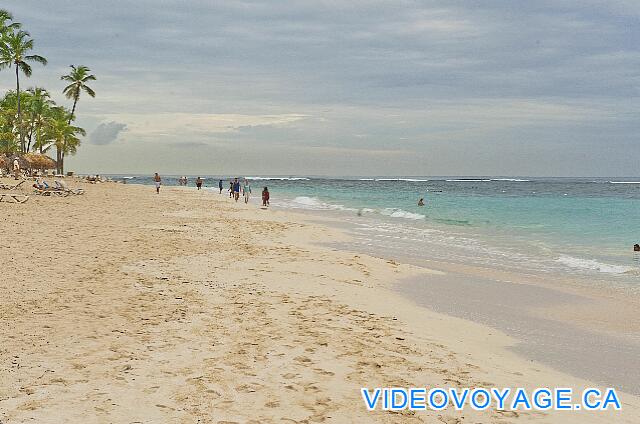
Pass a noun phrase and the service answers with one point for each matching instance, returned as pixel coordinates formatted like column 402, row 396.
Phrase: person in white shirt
column 16, row 168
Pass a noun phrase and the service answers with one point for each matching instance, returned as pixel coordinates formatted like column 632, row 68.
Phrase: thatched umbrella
column 38, row 161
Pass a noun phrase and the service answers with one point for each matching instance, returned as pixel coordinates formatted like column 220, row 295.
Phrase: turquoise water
column 583, row 226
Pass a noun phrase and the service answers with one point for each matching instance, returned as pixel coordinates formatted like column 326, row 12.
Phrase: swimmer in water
column 421, row 202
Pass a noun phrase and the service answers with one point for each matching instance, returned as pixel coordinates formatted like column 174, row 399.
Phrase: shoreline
column 554, row 320
column 198, row 309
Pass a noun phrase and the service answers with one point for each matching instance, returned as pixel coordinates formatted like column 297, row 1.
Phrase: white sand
column 127, row 307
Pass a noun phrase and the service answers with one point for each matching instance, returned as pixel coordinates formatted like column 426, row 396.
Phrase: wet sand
column 610, row 359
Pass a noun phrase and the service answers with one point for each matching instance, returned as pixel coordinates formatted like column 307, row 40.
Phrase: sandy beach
column 123, row 306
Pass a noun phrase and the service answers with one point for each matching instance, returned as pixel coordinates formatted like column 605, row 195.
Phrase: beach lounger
column 13, row 198
column 62, row 185
column 51, row 192
column 11, row 187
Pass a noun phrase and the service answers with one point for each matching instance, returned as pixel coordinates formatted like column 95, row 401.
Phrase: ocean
column 580, row 227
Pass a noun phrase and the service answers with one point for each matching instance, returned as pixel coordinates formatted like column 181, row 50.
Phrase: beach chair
column 13, row 198
column 11, row 187
column 62, row 185
column 51, row 192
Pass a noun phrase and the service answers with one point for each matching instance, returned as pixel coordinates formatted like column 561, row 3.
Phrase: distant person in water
column 421, row 202
column 265, row 197
column 220, row 186
column 246, row 191
column 199, row 183
column 636, row 247
column 158, row 182
column 236, row 189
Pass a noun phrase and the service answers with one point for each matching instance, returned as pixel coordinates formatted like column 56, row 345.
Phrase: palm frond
column 71, row 91
column 25, row 68
column 6, row 15
column 89, row 91
column 36, row 58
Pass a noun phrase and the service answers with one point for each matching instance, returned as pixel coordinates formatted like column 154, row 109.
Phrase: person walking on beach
column 246, row 190
column 220, row 186
column 236, row 189
column 265, row 197
column 199, row 183
column 158, row 181
column 230, row 188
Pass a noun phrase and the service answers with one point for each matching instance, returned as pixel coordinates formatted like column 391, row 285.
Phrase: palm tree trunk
column 19, row 111
column 73, row 109
column 30, row 136
column 60, row 158
column 38, row 139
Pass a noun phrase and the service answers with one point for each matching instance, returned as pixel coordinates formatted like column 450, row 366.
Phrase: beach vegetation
column 30, row 120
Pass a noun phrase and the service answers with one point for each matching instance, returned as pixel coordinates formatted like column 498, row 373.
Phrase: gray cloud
column 106, row 133
column 516, row 86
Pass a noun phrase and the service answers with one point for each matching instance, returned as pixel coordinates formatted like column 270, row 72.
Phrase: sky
column 357, row 88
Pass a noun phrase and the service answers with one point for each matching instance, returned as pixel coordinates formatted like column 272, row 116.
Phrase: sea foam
column 399, row 213
column 593, row 265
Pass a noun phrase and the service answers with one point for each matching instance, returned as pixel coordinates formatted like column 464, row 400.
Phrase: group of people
column 235, row 188
column 184, row 181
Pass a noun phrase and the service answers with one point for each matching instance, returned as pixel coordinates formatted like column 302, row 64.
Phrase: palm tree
column 79, row 76
column 7, row 138
column 39, row 106
column 62, row 134
column 6, row 22
column 65, row 137
column 14, row 46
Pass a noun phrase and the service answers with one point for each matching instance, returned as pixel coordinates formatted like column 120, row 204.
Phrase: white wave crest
column 592, row 264
column 402, row 179
column 399, row 213
column 313, row 203
column 278, row 178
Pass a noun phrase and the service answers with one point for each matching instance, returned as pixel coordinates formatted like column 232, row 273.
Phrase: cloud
column 183, row 125
column 515, row 85
column 106, row 133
